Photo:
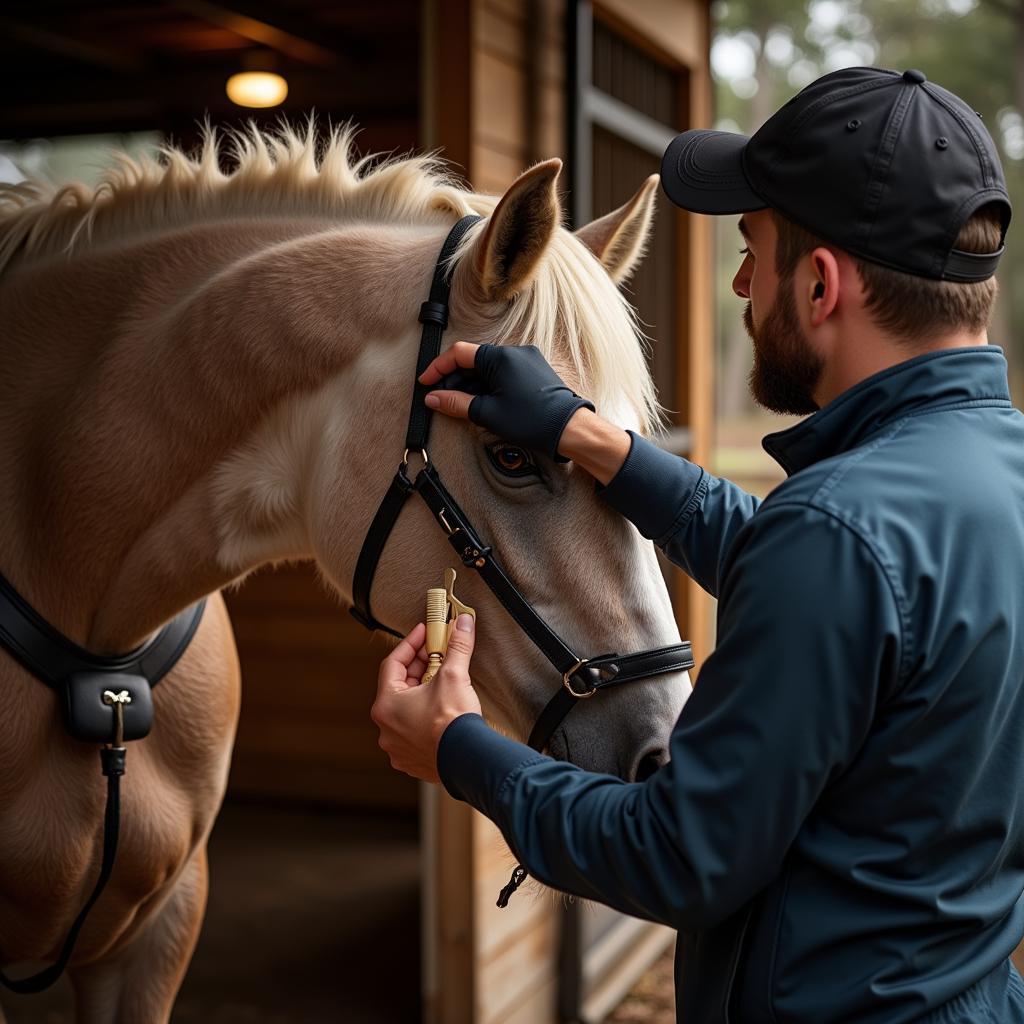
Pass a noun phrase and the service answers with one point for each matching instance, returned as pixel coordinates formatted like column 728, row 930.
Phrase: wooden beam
column 450, row 937
column 447, row 62
column 292, row 41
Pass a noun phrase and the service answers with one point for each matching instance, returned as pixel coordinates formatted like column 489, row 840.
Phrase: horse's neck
column 164, row 403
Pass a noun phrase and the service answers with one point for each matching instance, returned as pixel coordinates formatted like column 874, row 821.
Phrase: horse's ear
column 518, row 232
column 619, row 238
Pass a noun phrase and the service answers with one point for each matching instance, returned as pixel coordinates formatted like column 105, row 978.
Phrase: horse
column 208, row 370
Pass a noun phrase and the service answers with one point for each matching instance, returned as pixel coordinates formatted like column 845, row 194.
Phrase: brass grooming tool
column 443, row 608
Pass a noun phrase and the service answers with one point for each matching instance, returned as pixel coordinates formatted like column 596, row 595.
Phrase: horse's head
column 521, row 278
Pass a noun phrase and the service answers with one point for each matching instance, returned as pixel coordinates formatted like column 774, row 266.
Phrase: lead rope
column 112, row 758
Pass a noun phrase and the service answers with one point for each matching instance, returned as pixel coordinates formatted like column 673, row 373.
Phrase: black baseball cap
column 887, row 166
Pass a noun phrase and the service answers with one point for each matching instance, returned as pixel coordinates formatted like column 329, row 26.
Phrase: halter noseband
column 581, row 677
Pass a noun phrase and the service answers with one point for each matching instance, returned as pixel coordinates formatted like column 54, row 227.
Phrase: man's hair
column 908, row 307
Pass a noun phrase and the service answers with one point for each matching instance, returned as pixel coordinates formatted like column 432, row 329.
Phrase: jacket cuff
column 473, row 760
column 652, row 487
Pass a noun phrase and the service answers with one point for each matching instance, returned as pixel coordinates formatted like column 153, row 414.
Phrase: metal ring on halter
column 566, row 676
column 423, row 452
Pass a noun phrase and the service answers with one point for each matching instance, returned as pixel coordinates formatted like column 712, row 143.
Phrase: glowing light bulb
column 257, row 89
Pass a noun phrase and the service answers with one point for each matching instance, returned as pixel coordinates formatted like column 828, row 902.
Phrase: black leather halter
column 81, row 680
column 581, row 677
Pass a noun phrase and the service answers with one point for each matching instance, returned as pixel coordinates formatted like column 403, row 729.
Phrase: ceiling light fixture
column 257, row 89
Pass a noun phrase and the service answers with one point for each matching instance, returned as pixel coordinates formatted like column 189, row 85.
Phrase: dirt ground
column 652, row 999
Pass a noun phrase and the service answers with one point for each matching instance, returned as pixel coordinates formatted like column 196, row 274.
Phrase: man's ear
column 518, row 232
column 619, row 238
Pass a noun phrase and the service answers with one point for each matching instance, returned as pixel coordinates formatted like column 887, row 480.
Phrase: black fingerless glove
column 518, row 396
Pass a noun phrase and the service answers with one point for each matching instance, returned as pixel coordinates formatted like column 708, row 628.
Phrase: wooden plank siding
column 518, row 98
column 517, row 947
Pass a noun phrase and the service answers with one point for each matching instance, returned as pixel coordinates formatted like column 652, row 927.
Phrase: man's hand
column 511, row 390
column 412, row 717
column 594, row 444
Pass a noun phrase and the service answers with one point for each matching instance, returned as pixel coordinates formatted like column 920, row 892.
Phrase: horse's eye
column 511, row 460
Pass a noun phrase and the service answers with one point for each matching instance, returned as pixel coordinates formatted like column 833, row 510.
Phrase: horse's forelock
column 583, row 325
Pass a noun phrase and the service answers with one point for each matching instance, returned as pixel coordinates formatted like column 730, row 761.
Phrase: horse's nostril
column 649, row 764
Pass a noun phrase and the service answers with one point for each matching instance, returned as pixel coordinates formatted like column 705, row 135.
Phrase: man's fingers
column 462, row 353
column 460, row 646
column 394, row 669
column 451, row 403
column 418, row 667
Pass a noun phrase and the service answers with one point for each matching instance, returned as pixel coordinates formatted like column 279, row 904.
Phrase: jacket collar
column 930, row 381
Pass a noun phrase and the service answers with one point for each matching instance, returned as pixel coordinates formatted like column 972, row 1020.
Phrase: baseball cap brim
column 702, row 171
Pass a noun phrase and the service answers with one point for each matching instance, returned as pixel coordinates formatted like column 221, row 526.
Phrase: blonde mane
column 572, row 310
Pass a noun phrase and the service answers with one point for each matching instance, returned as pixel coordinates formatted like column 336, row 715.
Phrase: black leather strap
column 477, row 555
column 112, row 759
column 373, row 547
column 600, row 673
column 52, row 657
column 550, row 719
column 434, row 317
column 612, row 669
column 596, row 673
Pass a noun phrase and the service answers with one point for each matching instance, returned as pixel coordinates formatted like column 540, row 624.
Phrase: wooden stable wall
column 309, row 675
column 518, row 94
column 495, row 100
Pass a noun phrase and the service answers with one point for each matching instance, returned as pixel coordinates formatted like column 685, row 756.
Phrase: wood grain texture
column 673, row 28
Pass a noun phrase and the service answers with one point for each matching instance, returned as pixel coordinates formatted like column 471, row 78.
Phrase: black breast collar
column 51, row 657
column 104, row 699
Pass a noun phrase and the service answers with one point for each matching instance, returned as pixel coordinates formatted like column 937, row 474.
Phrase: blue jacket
column 839, row 836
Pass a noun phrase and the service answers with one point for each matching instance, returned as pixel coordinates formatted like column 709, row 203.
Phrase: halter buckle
column 567, row 676
column 444, row 522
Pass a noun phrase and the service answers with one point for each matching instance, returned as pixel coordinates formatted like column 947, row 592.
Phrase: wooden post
column 449, row 975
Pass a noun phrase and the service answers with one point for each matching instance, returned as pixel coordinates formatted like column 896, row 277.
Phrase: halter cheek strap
column 434, row 318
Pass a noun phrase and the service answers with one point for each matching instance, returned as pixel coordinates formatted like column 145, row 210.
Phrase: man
column 839, row 835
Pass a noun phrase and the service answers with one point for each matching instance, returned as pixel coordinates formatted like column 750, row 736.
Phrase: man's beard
column 786, row 369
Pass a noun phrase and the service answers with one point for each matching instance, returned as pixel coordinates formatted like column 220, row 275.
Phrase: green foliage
column 764, row 51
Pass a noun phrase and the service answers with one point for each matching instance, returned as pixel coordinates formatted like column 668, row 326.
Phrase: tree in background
column 764, row 51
